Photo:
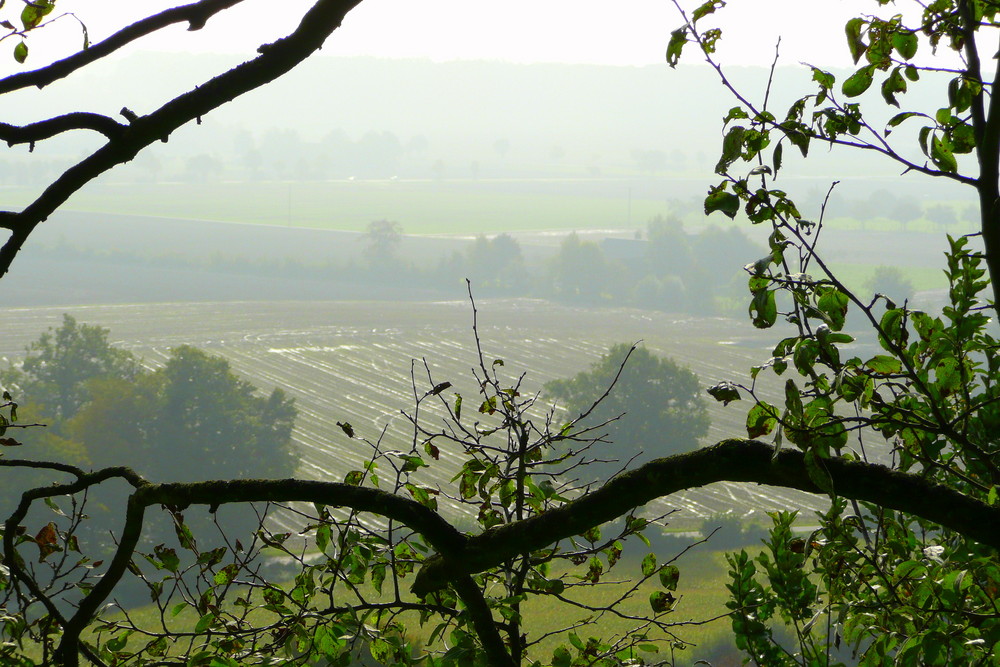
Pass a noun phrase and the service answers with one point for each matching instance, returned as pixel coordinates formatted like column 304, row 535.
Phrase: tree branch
column 45, row 129
column 196, row 14
column 735, row 460
column 274, row 60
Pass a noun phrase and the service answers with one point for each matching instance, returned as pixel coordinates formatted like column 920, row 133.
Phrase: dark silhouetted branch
column 45, row 129
column 735, row 460
column 195, row 14
column 275, row 59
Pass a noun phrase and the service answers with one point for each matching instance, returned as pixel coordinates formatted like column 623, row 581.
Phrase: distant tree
column 941, row 215
column 202, row 168
column 904, row 211
column 650, row 161
column 720, row 254
column 579, row 271
column 501, row 147
column 58, row 366
column 891, row 282
column 192, row 419
column 378, row 154
column 382, row 239
column 660, row 402
column 496, row 263
column 878, row 204
column 668, row 252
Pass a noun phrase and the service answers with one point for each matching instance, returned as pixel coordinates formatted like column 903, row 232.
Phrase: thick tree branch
column 196, row 14
column 45, row 129
column 441, row 534
column 274, row 60
column 734, row 460
column 10, row 559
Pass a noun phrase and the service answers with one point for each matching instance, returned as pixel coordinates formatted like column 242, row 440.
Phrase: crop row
column 352, row 362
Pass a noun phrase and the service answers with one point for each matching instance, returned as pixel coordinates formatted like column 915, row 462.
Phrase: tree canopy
column 654, row 402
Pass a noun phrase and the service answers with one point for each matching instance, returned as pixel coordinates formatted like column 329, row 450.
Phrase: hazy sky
column 634, row 32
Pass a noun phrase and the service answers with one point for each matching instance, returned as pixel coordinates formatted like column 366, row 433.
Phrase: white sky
column 624, row 32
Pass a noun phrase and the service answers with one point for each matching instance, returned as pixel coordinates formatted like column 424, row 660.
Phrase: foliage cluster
column 893, row 586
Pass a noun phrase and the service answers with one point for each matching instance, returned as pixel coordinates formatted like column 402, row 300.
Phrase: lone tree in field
column 655, row 403
column 903, row 567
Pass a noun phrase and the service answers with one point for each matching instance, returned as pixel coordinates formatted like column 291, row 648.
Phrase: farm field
column 351, row 361
column 465, row 207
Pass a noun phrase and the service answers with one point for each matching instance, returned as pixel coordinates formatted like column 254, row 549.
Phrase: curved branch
column 441, row 534
column 736, row 460
column 274, row 60
column 45, row 129
column 196, row 14
column 10, row 559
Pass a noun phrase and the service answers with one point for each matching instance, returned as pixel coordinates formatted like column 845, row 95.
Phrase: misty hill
column 380, row 118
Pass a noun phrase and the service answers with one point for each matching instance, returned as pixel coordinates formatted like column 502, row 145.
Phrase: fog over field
column 251, row 234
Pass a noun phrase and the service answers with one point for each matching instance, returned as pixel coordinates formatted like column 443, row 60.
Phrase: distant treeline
column 662, row 268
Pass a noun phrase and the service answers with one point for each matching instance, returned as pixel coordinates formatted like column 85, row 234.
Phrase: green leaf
column 660, row 601
column 763, row 309
column 963, row 138
column 53, row 506
column 905, row 43
column 854, row 41
column 458, row 407
column 707, row 8
column 323, row 534
column 649, row 565
column 21, row 52
column 899, row 118
column 35, row 11
column 817, row 472
column 168, row 558
column 346, row 428
column 761, row 419
column 858, row 82
column 226, row 575
column 411, row 462
column 204, row 623
column 734, row 114
column 959, row 95
column 669, row 576
column 793, row 399
column 723, row 201
column 678, row 38
column 894, row 83
column 354, row 477
column 942, row 155
column 833, row 304
column 883, row 364
column 561, row 657
column 732, row 147
column 724, row 392
column 116, row 644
